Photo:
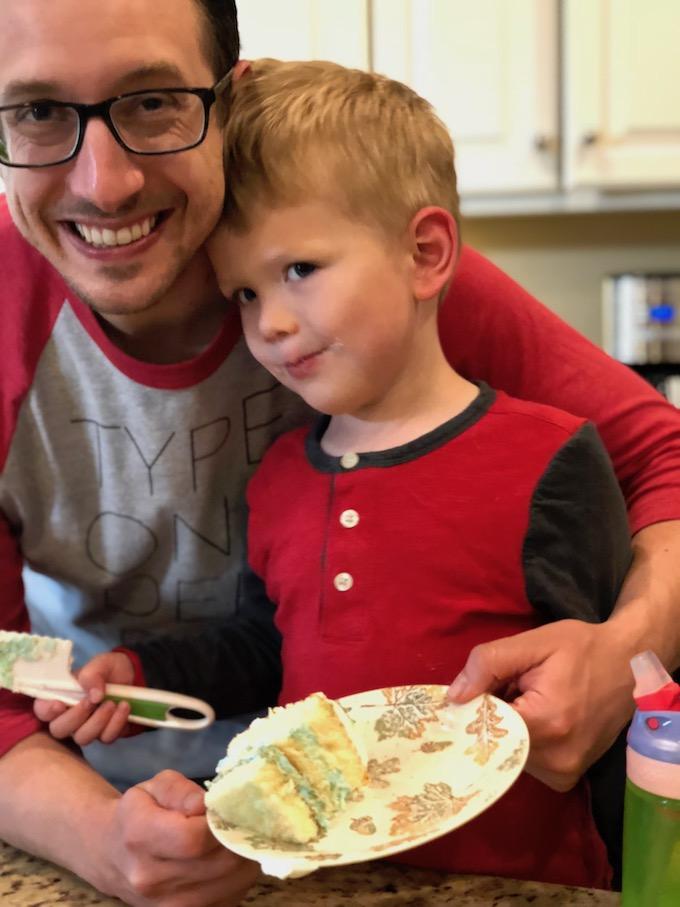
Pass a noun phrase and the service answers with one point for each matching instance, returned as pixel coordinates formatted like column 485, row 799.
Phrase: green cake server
column 40, row 666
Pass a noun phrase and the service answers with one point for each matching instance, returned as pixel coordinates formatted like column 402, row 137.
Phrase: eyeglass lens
column 161, row 121
column 38, row 134
column 149, row 123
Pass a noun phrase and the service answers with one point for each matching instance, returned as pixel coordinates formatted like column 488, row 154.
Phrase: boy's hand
column 91, row 719
column 573, row 688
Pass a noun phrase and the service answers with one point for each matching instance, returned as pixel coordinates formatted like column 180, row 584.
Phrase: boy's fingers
column 83, row 722
column 116, row 724
column 96, row 692
column 109, row 667
column 93, row 679
column 492, row 665
column 94, row 725
column 48, row 709
column 70, row 719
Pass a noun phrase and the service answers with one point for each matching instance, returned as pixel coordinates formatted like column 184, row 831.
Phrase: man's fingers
column 161, row 831
column 172, row 858
column 171, row 790
column 227, row 889
column 219, row 879
column 214, row 882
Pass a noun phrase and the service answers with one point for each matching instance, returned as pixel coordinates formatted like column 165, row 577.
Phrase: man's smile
column 103, row 235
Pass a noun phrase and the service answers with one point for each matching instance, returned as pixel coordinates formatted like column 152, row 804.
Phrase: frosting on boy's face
column 326, row 304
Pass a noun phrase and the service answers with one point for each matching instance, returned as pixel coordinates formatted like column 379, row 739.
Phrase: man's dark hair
column 222, row 41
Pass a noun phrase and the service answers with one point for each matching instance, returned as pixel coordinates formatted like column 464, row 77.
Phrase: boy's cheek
column 216, row 246
column 249, row 324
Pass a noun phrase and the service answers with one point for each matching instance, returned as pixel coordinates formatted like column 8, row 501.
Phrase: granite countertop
column 26, row 881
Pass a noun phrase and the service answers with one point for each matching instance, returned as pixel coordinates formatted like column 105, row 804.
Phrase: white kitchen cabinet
column 490, row 68
column 622, row 93
column 306, row 30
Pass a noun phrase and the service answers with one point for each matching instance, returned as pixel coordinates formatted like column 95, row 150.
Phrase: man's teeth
column 123, row 237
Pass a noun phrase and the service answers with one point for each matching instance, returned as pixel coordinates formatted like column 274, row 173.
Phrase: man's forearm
column 647, row 613
column 51, row 803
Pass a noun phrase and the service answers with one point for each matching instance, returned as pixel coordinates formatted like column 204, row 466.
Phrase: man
column 132, row 417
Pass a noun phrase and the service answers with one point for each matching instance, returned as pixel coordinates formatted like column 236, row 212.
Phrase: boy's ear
column 434, row 242
column 240, row 69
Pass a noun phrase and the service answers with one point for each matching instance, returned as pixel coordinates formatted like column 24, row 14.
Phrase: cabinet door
column 305, row 30
column 622, row 93
column 490, row 69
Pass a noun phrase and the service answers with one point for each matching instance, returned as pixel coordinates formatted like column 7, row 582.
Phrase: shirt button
column 349, row 460
column 349, row 519
column 343, row 582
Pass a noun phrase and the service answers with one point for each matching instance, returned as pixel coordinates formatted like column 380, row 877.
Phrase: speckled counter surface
column 28, row 882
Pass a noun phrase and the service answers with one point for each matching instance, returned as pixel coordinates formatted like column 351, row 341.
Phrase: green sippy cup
column 651, row 836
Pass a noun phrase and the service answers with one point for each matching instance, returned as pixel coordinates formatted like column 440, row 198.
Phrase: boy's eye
column 300, row 270
column 244, row 296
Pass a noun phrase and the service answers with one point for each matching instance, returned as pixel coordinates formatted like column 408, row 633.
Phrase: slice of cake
column 288, row 774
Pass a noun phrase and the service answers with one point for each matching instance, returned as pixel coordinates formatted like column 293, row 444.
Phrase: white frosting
column 278, row 724
column 353, row 732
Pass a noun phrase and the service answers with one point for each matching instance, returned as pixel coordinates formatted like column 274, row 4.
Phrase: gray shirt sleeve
column 234, row 665
column 577, row 549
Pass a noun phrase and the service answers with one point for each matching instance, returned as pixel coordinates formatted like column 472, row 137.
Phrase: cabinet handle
column 588, row 139
column 545, row 143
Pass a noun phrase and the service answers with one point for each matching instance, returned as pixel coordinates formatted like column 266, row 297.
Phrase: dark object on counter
column 641, row 327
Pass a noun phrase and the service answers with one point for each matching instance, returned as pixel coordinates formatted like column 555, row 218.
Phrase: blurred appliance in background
column 641, row 326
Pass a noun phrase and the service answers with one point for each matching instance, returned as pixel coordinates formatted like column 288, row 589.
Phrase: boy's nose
column 105, row 174
column 276, row 320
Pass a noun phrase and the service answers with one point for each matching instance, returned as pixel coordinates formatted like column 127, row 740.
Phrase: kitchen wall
column 563, row 258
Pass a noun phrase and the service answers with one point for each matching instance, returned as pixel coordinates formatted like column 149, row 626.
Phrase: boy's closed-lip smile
column 304, row 365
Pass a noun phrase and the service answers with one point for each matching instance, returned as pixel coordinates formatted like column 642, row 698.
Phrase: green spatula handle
column 160, row 708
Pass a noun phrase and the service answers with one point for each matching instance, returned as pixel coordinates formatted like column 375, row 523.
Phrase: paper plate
column 432, row 767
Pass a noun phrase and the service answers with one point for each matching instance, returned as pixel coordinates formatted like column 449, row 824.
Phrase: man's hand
column 573, row 688
column 150, row 847
column 163, row 854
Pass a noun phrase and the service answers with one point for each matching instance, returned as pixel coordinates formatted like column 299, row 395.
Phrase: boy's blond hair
column 315, row 130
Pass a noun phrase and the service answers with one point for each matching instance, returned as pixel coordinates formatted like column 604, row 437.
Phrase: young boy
column 423, row 513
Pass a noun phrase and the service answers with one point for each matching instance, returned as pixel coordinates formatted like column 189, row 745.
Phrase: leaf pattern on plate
column 364, row 825
column 409, row 710
column 259, row 842
column 487, row 729
column 376, row 771
column 402, row 793
column 396, row 842
column 435, row 803
column 321, row 857
column 515, row 758
column 435, row 746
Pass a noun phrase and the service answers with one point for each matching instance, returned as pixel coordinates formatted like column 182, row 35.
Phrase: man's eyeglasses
column 163, row 121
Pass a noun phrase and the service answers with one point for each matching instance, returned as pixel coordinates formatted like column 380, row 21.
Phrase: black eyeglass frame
column 102, row 109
